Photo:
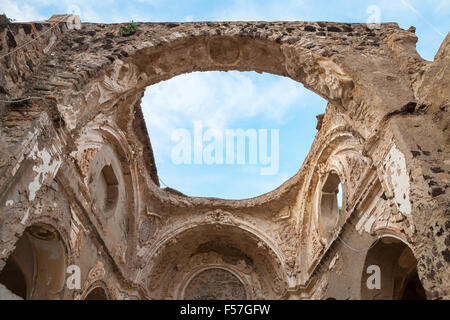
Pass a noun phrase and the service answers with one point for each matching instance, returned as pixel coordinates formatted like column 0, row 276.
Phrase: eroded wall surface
column 79, row 185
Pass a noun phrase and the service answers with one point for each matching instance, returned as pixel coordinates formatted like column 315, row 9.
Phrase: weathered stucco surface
column 79, row 186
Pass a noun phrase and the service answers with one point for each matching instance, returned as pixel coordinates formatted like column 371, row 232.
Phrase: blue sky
column 231, row 100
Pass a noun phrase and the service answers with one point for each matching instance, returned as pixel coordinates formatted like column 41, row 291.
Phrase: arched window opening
column 398, row 277
column 36, row 268
column 330, row 204
column 97, row 293
column 109, row 184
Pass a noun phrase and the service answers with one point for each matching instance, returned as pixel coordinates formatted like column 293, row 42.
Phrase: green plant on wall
column 5, row 18
column 129, row 29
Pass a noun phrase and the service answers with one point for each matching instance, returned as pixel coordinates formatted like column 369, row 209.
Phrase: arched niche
column 215, row 284
column 103, row 155
column 329, row 210
column 195, row 249
column 97, row 293
column 333, row 181
column 108, row 187
column 106, row 182
column 399, row 279
column 36, row 268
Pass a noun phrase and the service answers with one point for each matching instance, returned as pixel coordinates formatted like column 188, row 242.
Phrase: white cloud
column 189, row 18
column 267, row 10
column 22, row 12
column 443, row 8
column 218, row 99
column 150, row 2
column 89, row 11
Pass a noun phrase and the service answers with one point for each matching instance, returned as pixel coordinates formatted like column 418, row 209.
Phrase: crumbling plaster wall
column 384, row 133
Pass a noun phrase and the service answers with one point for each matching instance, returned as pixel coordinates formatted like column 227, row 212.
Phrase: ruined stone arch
column 98, row 283
column 205, row 246
column 199, row 53
column 97, row 291
column 344, row 168
column 173, row 53
column 216, row 218
column 331, row 158
column 187, row 292
column 340, row 151
column 399, row 279
column 387, row 109
column 105, row 159
column 153, row 61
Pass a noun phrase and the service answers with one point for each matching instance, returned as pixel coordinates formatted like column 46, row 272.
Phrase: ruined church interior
column 83, row 215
